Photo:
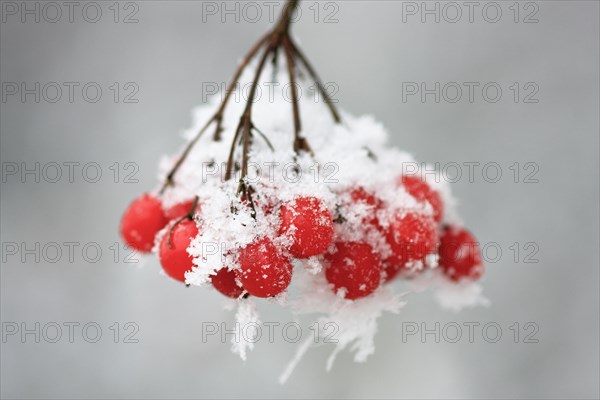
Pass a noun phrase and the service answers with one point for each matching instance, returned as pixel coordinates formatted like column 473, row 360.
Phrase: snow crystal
column 354, row 322
column 246, row 316
column 450, row 295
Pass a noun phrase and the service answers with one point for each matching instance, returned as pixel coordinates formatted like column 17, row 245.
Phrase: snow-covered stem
column 278, row 38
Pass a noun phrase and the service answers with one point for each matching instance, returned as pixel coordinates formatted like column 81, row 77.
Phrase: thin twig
column 229, row 169
column 278, row 38
column 265, row 138
column 236, row 77
column 247, row 117
column 218, row 116
column 171, row 175
column 321, row 88
column 300, row 143
column 245, row 121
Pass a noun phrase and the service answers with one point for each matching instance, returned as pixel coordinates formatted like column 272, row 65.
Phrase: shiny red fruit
column 264, row 271
column 308, row 224
column 175, row 259
column 411, row 236
column 355, row 267
column 180, row 210
column 421, row 191
column 459, row 254
column 224, row 281
column 141, row 222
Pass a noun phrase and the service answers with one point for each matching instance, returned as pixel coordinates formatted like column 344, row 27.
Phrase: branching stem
column 271, row 43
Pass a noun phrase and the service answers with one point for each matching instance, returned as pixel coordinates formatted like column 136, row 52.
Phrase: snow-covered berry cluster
column 296, row 191
column 362, row 241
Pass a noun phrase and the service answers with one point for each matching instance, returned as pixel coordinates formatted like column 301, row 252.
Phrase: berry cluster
column 362, row 242
column 357, row 230
column 285, row 190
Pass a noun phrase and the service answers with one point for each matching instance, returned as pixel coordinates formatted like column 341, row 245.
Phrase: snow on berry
column 308, row 224
column 459, row 254
column 354, row 269
column 264, row 271
column 368, row 204
column 412, row 236
column 421, row 191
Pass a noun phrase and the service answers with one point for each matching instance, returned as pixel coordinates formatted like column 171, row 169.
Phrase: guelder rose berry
column 175, row 259
column 459, row 254
column 180, row 210
column 264, row 271
column 421, row 191
column 141, row 222
column 354, row 267
column 372, row 204
column 307, row 222
column 225, row 282
column 411, row 236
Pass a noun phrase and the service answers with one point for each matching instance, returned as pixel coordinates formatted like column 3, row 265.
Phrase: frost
column 354, row 154
column 244, row 338
column 346, row 323
column 457, row 296
column 453, row 296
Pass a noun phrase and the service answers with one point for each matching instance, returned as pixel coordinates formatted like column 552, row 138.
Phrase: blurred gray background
column 368, row 48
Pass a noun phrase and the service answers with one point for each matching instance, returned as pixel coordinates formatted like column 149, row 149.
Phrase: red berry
column 459, row 254
column 141, row 222
column 361, row 196
column 411, row 237
column 224, row 282
column 264, row 271
column 355, row 267
column 391, row 267
column 180, row 210
column 175, row 259
column 307, row 222
column 421, row 191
